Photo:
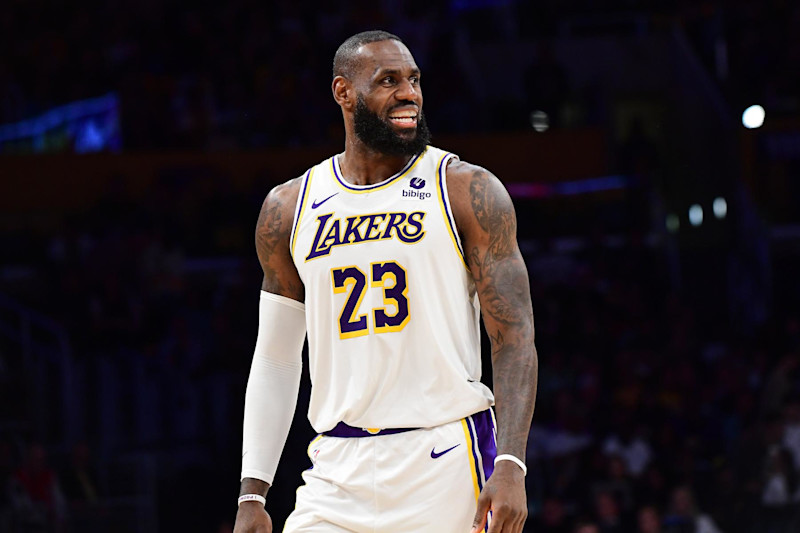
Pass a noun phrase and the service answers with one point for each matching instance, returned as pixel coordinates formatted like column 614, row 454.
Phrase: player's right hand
column 252, row 518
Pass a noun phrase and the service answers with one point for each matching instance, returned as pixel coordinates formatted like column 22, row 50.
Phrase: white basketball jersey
column 391, row 309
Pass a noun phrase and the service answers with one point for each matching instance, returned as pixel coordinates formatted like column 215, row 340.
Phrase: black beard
column 380, row 137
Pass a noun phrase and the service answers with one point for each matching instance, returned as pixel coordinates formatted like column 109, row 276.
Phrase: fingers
column 478, row 523
column 499, row 519
column 507, row 519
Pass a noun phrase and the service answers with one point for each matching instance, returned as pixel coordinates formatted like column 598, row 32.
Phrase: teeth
column 404, row 114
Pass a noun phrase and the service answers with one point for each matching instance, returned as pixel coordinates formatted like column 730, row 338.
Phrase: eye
column 388, row 80
column 414, row 80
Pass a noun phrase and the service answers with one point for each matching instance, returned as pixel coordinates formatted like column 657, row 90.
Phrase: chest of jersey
column 374, row 247
column 390, row 304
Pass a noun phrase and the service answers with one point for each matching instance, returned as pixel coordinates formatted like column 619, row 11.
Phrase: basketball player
column 385, row 255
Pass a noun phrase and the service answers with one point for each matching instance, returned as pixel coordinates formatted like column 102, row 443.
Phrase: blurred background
column 659, row 215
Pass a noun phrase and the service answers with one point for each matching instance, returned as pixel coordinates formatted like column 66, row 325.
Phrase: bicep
column 273, row 232
column 489, row 231
column 503, row 288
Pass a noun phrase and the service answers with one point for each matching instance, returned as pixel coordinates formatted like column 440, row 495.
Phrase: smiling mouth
column 404, row 118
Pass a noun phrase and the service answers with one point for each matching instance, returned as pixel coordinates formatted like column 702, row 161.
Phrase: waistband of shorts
column 344, row 431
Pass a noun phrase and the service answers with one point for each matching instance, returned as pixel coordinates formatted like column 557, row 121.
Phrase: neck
column 360, row 165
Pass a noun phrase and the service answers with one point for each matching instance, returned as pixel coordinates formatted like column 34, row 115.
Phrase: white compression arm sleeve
column 271, row 395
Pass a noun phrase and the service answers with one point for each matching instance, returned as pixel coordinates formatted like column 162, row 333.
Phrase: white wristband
column 252, row 498
column 509, row 457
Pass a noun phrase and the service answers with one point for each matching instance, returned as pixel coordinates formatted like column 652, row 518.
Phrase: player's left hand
column 504, row 495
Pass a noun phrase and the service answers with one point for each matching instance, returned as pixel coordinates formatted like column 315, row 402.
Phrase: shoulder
column 464, row 175
column 285, row 194
column 277, row 211
column 273, row 233
column 476, row 194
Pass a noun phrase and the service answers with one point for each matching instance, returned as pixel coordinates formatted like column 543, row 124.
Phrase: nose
column 407, row 91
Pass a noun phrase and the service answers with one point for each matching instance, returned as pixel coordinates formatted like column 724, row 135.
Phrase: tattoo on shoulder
column 495, row 263
column 493, row 212
column 272, row 236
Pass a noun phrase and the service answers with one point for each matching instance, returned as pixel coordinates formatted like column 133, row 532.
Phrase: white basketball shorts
column 421, row 480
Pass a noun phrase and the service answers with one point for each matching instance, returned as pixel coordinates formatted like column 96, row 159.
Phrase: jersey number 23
column 353, row 281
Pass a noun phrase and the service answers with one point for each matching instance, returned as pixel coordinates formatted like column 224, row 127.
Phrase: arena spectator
column 38, row 498
column 684, row 515
column 648, row 520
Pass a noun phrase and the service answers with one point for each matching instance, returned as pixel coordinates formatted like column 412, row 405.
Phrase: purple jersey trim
column 346, row 185
column 445, row 203
column 299, row 210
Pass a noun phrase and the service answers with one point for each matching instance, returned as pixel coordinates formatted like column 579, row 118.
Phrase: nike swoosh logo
column 435, row 455
column 316, row 204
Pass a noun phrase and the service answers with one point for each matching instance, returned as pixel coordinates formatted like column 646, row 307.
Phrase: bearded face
column 378, row 134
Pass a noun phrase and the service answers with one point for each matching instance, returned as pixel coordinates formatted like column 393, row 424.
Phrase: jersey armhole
column 444, row 202
column 302, row 200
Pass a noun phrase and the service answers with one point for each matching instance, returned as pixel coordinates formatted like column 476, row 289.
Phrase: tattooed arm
column 488, row 229
column 273, row 232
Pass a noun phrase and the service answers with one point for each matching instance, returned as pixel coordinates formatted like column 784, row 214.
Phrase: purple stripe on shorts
column 475, row 444
column 485, row 433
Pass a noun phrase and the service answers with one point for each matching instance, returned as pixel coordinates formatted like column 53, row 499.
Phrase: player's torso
column 391, row 309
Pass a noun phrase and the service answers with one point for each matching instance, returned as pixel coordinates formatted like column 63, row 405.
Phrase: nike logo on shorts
column 435, row 455
column 316, row 204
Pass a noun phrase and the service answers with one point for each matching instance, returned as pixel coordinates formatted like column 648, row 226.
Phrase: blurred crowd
column 650, row 416
column 38, row 496
column 239, row 74
column 158, row 301
column 248, row 74
column 654, row 414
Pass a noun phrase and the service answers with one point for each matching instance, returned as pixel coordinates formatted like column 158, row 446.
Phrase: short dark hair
column 345, row 61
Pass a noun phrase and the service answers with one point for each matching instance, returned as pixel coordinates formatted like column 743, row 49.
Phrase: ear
column 343, row 92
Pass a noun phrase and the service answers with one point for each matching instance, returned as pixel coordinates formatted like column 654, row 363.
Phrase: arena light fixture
column 720, row 207
column 753, row 117
column 696, row 215
column 540, row 121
